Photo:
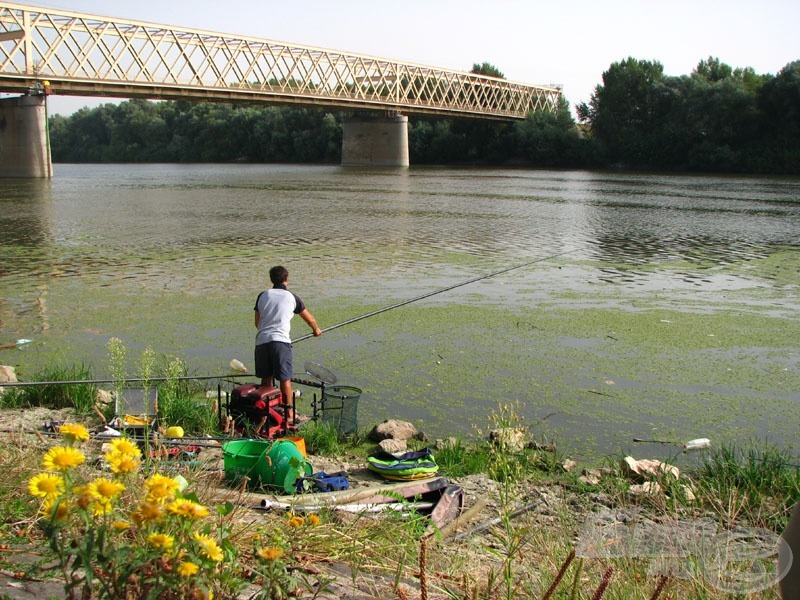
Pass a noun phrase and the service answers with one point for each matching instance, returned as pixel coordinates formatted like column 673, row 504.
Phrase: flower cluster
column 119, row 535
column 297, row 521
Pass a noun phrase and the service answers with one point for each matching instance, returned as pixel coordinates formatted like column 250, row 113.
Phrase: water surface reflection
column 170, row 255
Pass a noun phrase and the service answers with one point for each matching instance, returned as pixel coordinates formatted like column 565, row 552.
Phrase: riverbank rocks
column 648, row 488
column 448, row 443
column 104, row 397
column 7, row 374
column 394, row 429
column 509, row 439
column 393, row 446
column 569, row 465
column 642, row 470
column 593, row 476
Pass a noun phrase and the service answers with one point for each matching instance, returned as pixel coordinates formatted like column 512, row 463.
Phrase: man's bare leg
column 286, row 392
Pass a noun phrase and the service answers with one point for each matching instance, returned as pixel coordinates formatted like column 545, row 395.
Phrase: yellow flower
column 121, row 463
column 296, row 521
column 121, row 525
column 314, row 520
column 147, row 512
column 209, row 547
column 160, row 488
column 55, row 509
column 124, row 446
column 46, row 485
column 188, row 509
column 187, row 569
column 101, row 507
column 269, row 554
column 84, row 498
column 104, row 490
column 162, row 541
column 74, row 432
column 60, row 458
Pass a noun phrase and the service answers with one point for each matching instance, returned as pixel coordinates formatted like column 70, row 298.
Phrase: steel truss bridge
column 87, row 55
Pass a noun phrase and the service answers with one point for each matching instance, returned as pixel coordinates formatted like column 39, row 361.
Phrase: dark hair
column 278, row 275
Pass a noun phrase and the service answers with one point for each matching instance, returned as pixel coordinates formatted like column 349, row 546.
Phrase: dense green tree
column 85, row 136
column 622, row 109
column 548, row 139
column 486, row 68
column 712, row 70
column 716, row 118
column 779, row 104
column 724, row 119
column 434, row 141
column 143, row 131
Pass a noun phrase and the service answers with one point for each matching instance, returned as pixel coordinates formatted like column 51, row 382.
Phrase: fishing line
column 433, row 293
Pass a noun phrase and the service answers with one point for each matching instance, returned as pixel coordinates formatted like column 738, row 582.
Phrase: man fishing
column 274, row 310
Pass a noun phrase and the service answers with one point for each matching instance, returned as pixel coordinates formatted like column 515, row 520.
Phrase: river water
column 649, row 306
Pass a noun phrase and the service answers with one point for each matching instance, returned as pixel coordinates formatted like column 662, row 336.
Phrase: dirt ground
column 478, row 492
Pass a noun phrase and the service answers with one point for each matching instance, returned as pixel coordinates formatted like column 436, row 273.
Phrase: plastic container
column 244, row 458
column 175, row 431
column 297, row 441
column 697, row 444
column 283, row 465
column 340, row 408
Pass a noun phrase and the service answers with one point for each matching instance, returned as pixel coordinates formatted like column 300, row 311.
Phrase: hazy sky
column 568, row 42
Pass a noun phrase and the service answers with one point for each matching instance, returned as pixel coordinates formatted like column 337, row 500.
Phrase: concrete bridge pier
column 24, row 141
column 375, row 141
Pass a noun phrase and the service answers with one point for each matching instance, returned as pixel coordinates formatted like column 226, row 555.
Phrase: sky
column 570, row 43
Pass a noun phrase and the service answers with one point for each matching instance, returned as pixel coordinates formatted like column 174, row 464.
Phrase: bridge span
column 47, row 51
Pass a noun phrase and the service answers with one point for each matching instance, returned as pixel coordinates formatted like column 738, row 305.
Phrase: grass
column 519, row 557
column 79, row 396
column 322, row 439
column 458, row 459
column 529, row 551
column 757, row 483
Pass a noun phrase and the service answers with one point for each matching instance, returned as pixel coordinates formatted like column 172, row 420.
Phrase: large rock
column 393, row 446
column 642, row 470
column 648, row 488
column 509, row 439
column 104, row 397
column 393, row 429
column 7, row 374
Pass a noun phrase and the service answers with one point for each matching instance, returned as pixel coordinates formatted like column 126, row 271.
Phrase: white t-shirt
column 276, row 307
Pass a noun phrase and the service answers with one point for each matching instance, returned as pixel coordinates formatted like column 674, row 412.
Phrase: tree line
column 716, row 119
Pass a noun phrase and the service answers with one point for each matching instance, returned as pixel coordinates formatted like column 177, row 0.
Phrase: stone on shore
column 394, row 429
column 7, row 374
column 642, row 470
column 104, row 397
column 509, row 439
column 393, row 446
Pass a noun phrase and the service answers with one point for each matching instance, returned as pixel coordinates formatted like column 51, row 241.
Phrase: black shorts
column 274, row 359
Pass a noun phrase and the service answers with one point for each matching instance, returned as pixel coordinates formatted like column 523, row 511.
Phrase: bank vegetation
column 715, row 119
column 100, row 519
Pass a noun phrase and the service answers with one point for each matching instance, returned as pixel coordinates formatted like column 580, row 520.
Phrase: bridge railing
column 81, row 54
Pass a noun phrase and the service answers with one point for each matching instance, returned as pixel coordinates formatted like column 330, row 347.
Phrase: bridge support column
column 24, row 141
column 375, row 141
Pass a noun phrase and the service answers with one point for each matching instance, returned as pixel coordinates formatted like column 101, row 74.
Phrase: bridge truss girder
column 89, row 55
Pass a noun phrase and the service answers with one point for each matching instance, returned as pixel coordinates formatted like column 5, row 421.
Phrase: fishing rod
column 433, row 293
column 301, row 338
